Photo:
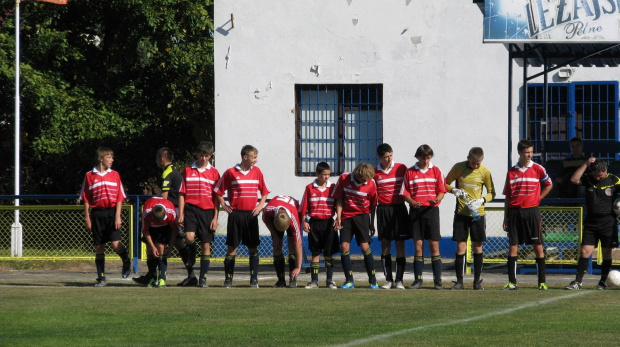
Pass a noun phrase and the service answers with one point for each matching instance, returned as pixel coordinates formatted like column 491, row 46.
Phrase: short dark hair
column 599, row 165
column 205, row 147
column 247, row 149
column 322, row 166
column 576, row 139
column 384, row 148
column 165, row 153
column 477, row 153
column 523, row 144
column 423, row 151
column 158, row 212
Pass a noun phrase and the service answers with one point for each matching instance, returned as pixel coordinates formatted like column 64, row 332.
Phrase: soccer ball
column 617, row 207
column 613, row 279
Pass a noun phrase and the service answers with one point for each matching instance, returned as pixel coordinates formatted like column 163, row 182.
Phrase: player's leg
column 513, row 241
column 122, row 252
column 403, row 233
column 418, row 244
column 478, row 236
column 233, row 238
column 251, row 240
column 433, row 235
column 436, row 263
column 346, row 235
column 385, row 226
column 460, row 233
column 331, row 247
column 292, row 259
column 205, row 263
column 206, row 236
column 278, row 259
column 401, row 262
column 163, row 264
column 534, row 227
column 605, row 267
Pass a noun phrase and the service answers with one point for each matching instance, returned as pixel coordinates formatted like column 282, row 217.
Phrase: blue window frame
column 588, row 110
column 341, row 124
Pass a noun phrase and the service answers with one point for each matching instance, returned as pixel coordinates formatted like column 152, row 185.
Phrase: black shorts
column 358, row 226
column 524, row 226
column 425, row 223
column 603, row 228
column 463, row 226
column 199, row 221
column 322, row 238
column 161, row 235
column 393, row 222
column 242, row 228
column 102, row 225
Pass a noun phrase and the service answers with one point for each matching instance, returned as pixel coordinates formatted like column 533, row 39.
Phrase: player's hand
column 505, row 225
column 337, row 224
column 155, row 251
column 117, row 223
column 257, row 209
column 474, row 205
column 372, row 230
column 213, row 225
column 306, row 226
column 293, row 274
column 459, row 193
column 181, row 220
column 88, row 224
column 227, row 208
column 416, row 204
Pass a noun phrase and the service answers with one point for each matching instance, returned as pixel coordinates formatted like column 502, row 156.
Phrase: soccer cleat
column 457, row 286
column 543, row 286
column 142, row 280
column 188, row 282
column 293, row 284
column 153, row 283
column 387, row 285
column 227, row 283
column 280, row 284
column 417, row 284
column 510, row 286
column 399, row 285
column 438, row 285
column 312, row 285
column 254, row 284
column 348, row 285
column 332, row 285
column 374, row 286
column 601, row 285
column 574, row 285
column 161, row 283
column 126, row 269
column 101, row 282
column 478, row 285
column 203, row 283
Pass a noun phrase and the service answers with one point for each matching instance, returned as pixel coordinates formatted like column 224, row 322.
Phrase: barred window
column 338, row 124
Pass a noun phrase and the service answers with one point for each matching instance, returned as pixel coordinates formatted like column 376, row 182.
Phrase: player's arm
column 338, row 221
column 546, row 189
column 164, row 194
column 216, row 212
column 87, row 216
column 222, row 202
column 117, row 217
column 449, row 179
column 490, row 187
column 298, row 260
column 576, row 177
column 149, row 242
column 507, row 195
column 181, row 219
column 260, row 205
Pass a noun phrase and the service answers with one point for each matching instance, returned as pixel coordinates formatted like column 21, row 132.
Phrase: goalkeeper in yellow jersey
column 469, row 216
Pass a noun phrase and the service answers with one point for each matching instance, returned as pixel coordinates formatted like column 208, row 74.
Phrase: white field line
column 459, row 321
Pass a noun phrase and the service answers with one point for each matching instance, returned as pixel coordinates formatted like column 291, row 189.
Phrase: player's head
column 424, row 154
column 576, row 146
column 158, row 212
column 249, row 155
column 164, row 156
column 475, row 157
column 524, row 144
column 363, row 172
column 598, row 169
column 281, row 221
column 323, row 171
column 385, row 153
column 105, row 157
column 204, row 152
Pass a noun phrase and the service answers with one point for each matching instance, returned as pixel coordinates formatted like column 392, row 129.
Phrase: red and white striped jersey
column 522, row 187
column 423, row 185
column 197, row 186
column 358, row 198
column 318, row 202
column 389, row 182
column 242, row 187
column 102, row 190
column 291, row 206
column 147, row 218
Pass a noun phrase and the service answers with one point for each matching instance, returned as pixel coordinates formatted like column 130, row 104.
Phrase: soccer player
column 469, row 216
column 280, row 215
column 159, row 227
column 317, row 211
column 241, row 184
column 103, row 196
column 424, row 188
column 602, row 189
column 392, row 216
column 198, row 212
column 356, row 200
column 522, row 220
column 569, row 166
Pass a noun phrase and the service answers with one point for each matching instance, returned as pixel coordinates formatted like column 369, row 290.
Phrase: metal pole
column 510, row 57
column 16, row 228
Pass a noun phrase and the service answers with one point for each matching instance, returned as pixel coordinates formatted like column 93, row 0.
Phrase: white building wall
column 441, row 85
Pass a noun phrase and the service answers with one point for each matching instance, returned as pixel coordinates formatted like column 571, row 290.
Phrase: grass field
column 134, row 316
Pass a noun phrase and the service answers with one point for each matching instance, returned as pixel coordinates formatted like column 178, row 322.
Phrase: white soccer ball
column 613, row 279
column 617, row 207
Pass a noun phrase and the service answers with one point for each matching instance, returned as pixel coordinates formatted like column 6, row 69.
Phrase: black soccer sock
column 151, row 264
column 184, row 254
column 459, row 267
column 100, row 265
column 278, row 264
column 329, row 270
column 436, row 264
column 369, row 263
column 418, row 267
column 400, row 268
column 292, row 262
column 582, row 267
column 345, row 258
column 191, row 260
column 478, row 257
column 163, row 267
column 314, row 275
column 205, row 262
column 605, row 268
column 512, row 270
column 254, row 261
column 541, row 268
column 229, row 266
column 123, row 253
column 386, row 261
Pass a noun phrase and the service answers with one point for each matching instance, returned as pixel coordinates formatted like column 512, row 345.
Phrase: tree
column 128, row 74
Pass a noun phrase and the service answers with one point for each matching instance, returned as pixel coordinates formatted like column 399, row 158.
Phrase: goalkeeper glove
column 459, row 193
column 474, row 205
